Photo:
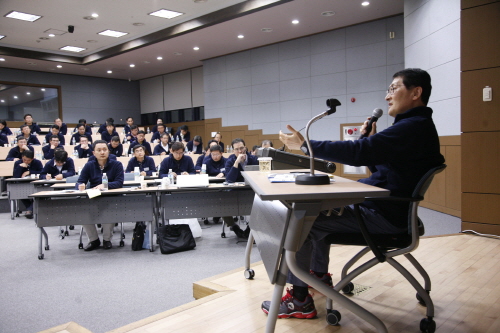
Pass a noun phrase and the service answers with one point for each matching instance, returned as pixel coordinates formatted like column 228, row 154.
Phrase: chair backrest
column 426, row 181
column 128, row 176
column 72, row 179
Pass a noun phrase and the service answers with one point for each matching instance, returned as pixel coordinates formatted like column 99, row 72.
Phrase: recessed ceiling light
column 266, row 30
column 3, row 101
column 72, row 48
column 196, row 48
column 112, row 33
column 59, row 66
column 365, row 3
column 2, row 36
column 132, row 65
column 159, row 58
column 52, row 35
column 241, row 36
column 328, row 13
column 165, row 13
column 95, row 15
column 2, row 59
column 295, row 21
column 28, row 93
column 15, row 97
column 43, row 89
column 109, row 72
column 138, row 24
column 23, row 16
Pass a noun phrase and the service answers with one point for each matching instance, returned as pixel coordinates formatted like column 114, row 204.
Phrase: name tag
column 64, row 171
column 146, row 169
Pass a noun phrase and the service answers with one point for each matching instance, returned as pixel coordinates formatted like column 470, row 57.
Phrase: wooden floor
column 465, row 272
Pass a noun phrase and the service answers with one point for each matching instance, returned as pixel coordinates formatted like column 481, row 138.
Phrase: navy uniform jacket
column 190, row 146
column 148, row 165
column 68, row 169
column 34, row 168
column 49, row 153
column 234, row 174
column 157, row 136
column 63, row 129
column 214, row 168
column 3, row 139
column 16, row 153
column 34, row 128
column 144, row 143
column 118, row 151
column 92, row 173
column 77, row 136
column 61, row 138
column 397, row 157
column 187, row 137
column 32, row 140
column 199, row 162
column 159, row 149
column 6, row 131
column 88, row 130
column 184, row 165
column 107, row 137
column 102, row 129
column 127, row 129
column 83, row 153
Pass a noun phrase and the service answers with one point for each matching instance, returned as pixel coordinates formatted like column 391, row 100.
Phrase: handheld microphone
column 377, row 113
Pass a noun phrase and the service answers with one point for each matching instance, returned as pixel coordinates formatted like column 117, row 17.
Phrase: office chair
column 385, row 248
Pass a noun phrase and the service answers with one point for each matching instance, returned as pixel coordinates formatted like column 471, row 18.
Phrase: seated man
column 236, row 163
column 267, row 144
column 84, row 149
column 218, row 137
column 3, row 128
column 34, row 128
column 130, row 122
column 109, row 132
column 115, row 147
column 157, row 135
column 163, row 147
column 398, row 157
column 92, row 172
column 182, row 134
column 215, row 162
column 55, row 130
column 75, row 138
column 24, row 167
column 196, row 145
column 103, row 127
column 48, row 150
column 199, row 161
column 63, row 128
column 141, row 141
column 180, row 164
column 88, row 129
column 145, row 163
column 61, row 166
column 31, row 139
column 16, row 152
column 155, row 127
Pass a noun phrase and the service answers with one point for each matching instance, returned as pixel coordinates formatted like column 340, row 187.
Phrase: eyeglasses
column 392, row 89
column 240, row 148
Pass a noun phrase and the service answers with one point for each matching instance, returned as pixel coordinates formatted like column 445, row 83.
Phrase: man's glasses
column 240, row 149
column 392, row 89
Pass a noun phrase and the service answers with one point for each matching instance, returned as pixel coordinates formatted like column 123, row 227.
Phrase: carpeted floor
column 103, row 290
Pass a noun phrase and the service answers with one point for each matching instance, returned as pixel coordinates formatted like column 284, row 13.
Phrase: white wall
column 432, row 42
column 288, row 83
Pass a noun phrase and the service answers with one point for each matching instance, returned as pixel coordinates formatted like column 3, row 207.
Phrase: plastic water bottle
column 149, row 131
column 137, row 174
column 44, row 142
column 79, row 170
column 171, row 176
column 228, row 149
column 104, row 182
column 203, row 169
column 186, row 150
column 73, row 141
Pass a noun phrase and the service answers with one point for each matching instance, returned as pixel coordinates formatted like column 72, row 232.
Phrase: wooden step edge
column 70, row 327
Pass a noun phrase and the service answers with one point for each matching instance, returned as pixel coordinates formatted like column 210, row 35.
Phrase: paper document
column 92, row 193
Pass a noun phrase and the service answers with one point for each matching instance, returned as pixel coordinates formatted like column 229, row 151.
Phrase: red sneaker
column 292, row 307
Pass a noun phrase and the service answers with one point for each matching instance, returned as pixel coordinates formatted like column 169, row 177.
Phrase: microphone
column 377, row 113
column 313, row 179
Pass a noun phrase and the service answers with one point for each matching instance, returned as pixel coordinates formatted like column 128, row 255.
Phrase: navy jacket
column 63, row 129
column 62, row 140
column 184, row 165
column 159, row 149
column 6, row 131
column 3, row 139
column 68, row 169
column 107, row 137
column 148, row 165
column 144, row 143
column 35, row 129
column 34, row 168
column 199, row 162
column 118, row 151
column 49, row 153
column 187, row 137
column 214, row 168
column 102, row 129
column 199, row 148
column 15, row 152
column 92, row 173
column 397, row 157
column 77, row 136
column 84, row 153
column 234, row 174
column 157, row 136
column 127, row 129
column 88, row 130
column 32, row 140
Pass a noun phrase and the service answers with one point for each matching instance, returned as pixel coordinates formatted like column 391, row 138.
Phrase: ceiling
column 212, row 25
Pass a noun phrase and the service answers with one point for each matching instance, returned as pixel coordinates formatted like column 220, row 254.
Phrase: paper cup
column 265, row 164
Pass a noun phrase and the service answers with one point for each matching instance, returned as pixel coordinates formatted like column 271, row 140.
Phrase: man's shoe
column 246, row 233
column 92, row 245
column 106, row 245
column 237, row 230
column 326, row 278
column 292, row 307
column 29, row 215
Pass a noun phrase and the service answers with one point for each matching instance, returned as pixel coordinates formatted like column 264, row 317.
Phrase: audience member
column 3, row 128
column 55, row 130
column 145, row 163
column 75, row 138
column 59, row 167
column 140, row 140
column 132, row 136
column 24, row 167
column 195, row 146
column 218, row 137
column 215, row 162
column 200, row 159
column 84, row 149
column 180, row 164
column 88, row 129
column 155, row 127
column 254, row 150
column 130, row 122
column 16, row 152
column 34, row 128
column 63, row 128
column 182, row 134
column 162, row 147
column 103, row 127
column 109, row 132
column 30, row 138
column 115, row 147
column 159, row 133
column 267, row 144
column 48, row 150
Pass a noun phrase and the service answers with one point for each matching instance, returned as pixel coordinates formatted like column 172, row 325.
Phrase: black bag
column 138, row 236
column 175, row 238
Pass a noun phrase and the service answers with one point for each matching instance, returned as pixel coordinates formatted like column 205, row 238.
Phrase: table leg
column 249, row 273
column 272, row 317
column 151, row 232
column 12, row 209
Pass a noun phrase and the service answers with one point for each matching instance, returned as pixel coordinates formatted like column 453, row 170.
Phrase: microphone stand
column 312, row 179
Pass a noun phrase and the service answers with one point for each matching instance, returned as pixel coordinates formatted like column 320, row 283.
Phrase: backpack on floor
column 138, row 236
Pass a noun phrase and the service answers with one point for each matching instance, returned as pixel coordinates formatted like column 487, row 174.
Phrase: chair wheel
column 235, row 218
column 98, row 225
column 123, row 236
column 427, row 325
column 122, row 243
column 151, row 250
column 223, row 235
column 116, row 224
column 47, row 247
column 40, row 257
column 348, row 289
column 249, row 274
column 61, row 236
column 80, row 246
column 421, row 300
column 205, row 221
column 71, row 227
column 17, row 215
column 333, row 317
column 66, row 233
column 216, row 219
